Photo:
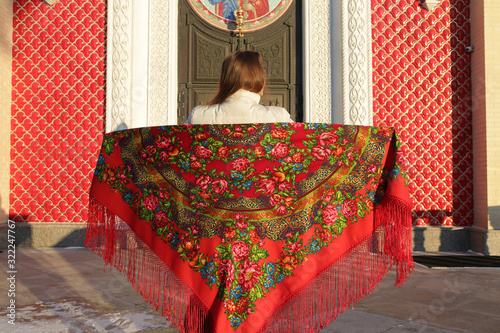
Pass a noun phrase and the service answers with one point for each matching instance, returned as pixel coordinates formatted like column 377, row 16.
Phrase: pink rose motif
column 330, row 215
column 280, row 150
column 267, row 185
column 327, row 138
column 241, row 164
column 294, row 247
column 151, row 202
column 164, row 156
column 350, row 155
column 151, row 150
column 240, row 250
column 275, row 199
column 203, row 182
column 284, row 186
column 219, row 186
column 202, row 152
column 251, row 130
column 163, row 142
column 241, row 224
column 349, row 208
column 320, row 153
column 249, row 275
column 372, row 168
column 281, row 210
column 160, row 219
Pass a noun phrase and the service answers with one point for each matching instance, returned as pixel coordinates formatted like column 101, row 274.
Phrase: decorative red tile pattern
column 422, row 87
column 57, row 107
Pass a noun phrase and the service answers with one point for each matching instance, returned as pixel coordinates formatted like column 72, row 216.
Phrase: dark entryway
column 202, row 48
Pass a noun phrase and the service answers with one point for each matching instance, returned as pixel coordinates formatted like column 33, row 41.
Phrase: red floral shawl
column 257, row 227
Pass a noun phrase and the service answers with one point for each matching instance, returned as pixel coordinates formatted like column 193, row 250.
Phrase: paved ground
column 68, row 290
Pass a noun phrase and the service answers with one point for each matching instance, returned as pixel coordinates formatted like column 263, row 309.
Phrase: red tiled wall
column 422, row 86
column 57, row 107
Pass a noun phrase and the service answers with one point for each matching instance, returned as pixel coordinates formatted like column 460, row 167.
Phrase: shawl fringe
column 113, row 240
column 353, row 276
column 348, row 280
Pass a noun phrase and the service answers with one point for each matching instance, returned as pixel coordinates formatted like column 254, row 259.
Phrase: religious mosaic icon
column 258, row 13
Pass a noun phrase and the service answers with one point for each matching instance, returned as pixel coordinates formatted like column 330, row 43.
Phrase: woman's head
column 240, row 70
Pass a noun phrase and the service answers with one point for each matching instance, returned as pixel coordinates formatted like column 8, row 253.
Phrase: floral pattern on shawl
column 271, row 170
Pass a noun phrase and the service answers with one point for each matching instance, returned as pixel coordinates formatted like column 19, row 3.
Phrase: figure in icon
column 254, row 8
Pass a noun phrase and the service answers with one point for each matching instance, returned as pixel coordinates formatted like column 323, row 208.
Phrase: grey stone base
column 441, row 239
column 45, row 235
column 485, row 241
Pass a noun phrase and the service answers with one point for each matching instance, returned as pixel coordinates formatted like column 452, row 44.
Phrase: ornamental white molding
column 338, row 58
column 141, row 83
column 118, row 65
column 317, row 59
column 162, row 63
column 357, row 63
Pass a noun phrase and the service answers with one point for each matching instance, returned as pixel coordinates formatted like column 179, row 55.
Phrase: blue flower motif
column 185, row 165
column 298, row 166
column 236, row 293
column 100, row 160
column 127, row 197
column 315, row 246
column 280, row 278
column 271, row 268
column 175, row 240
column 235, row 322
column 96, row 172
column 163, row 128
column 371, row 194
column 247, row 185
column 235, row 156
column 236, row 176
column 395, row 172
column 268, row 147
column 243, row 233
column 207, row 271
column 269, row 282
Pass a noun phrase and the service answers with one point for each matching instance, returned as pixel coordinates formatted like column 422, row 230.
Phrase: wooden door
column 202, row 47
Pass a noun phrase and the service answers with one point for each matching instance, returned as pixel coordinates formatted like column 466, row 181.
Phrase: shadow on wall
column 441, row 238
column 38, row 234
column 494, row 217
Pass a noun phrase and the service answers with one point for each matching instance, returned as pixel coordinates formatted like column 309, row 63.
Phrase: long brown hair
column 240, row 70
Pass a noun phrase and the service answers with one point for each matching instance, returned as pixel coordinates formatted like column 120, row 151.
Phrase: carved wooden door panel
column 202, row 47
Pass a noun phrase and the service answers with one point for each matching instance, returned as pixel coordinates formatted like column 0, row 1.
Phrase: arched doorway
column 204, row 40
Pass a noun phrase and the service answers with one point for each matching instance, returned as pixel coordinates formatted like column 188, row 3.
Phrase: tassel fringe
column 113, row 240
column 353, row 276
column 345, row 282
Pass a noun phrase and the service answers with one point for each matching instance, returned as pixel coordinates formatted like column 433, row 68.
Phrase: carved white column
column 317, row 61
column 338, row 58
column 142, row 63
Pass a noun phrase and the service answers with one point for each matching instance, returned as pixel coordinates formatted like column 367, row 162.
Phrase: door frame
column 337, row 77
